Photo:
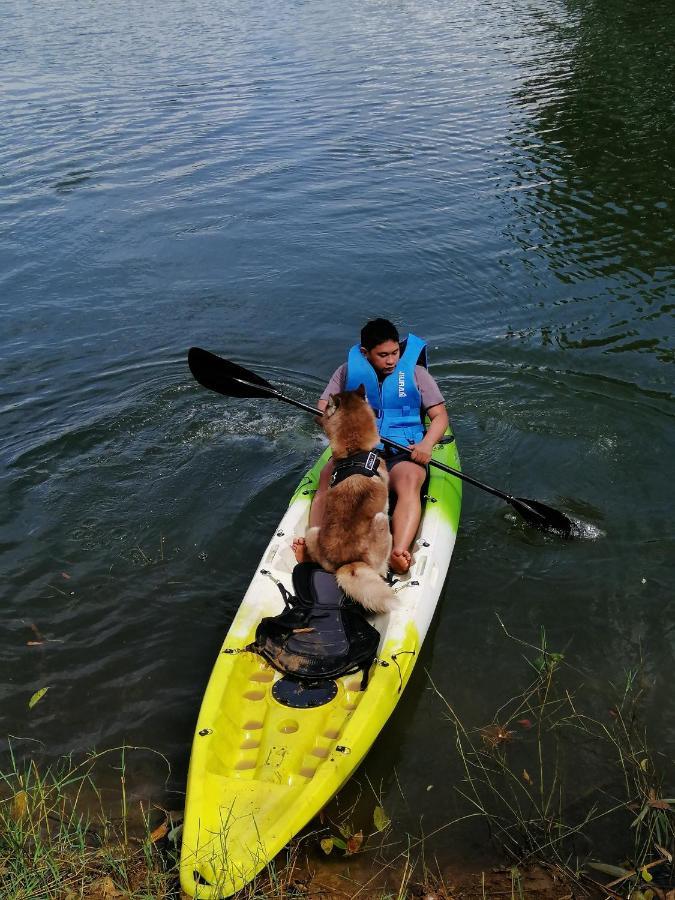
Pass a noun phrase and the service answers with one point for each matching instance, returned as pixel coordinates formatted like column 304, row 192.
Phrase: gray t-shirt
column 429, row 390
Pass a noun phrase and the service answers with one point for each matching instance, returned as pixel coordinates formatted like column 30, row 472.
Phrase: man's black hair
column 377, row 332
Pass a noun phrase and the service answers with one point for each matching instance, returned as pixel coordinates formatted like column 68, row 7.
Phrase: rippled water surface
column 259, row 179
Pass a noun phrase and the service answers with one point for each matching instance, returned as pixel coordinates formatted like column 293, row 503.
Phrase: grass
column 520, row 775
column 57, row 842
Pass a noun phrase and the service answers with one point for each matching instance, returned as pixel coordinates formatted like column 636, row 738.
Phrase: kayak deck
column 259, row 770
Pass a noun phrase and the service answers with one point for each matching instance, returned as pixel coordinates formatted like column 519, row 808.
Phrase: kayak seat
column 320, row 634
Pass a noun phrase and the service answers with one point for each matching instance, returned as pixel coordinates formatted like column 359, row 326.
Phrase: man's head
column 380, row 345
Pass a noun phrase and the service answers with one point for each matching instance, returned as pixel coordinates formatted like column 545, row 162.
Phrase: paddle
column 228, row 378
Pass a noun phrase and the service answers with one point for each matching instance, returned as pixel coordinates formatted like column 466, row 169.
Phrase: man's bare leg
column 316, row 511
column 406, row 480
column 319, row 501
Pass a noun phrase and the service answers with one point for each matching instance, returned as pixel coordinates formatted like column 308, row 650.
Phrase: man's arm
column 421, row 452
column 321, row 405
column 334, row 386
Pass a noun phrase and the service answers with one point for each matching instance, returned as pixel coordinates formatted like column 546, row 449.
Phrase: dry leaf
column 19, row 805
column 606, row 869
column 354, row 843
column 36, row 632
column 665, row 853
column 104, row 889
column 526, row 776
column 109, row 889
column 655, row 803
column 327, row 845
column 160, row 832
column 380, row 819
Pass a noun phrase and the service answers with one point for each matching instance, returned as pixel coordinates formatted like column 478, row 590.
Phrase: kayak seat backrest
column 326, row 635
column 320, row 634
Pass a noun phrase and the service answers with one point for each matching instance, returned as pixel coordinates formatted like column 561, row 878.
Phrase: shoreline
column 60, row 840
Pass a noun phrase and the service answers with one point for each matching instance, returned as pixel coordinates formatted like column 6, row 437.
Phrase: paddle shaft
column 232, row 380
column 317, row 412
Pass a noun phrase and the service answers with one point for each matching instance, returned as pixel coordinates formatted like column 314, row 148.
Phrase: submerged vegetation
column 526, row 774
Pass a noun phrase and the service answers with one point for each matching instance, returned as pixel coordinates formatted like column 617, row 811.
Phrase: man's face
column 383, row 357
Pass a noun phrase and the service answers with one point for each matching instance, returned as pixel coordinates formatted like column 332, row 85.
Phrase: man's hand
column 421, row 453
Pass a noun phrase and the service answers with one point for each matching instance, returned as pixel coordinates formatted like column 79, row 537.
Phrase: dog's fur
column 354, row 540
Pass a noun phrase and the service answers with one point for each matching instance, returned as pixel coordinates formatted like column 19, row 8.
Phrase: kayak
column 260, row 769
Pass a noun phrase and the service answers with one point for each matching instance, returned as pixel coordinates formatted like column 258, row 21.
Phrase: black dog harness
column 364, row 463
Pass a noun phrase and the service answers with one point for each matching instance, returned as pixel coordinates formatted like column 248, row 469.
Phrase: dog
column 354, row 540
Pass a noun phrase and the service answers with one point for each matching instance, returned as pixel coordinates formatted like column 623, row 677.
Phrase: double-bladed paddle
column 228, row 378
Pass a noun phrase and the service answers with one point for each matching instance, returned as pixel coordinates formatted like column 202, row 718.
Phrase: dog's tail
column 362, row 583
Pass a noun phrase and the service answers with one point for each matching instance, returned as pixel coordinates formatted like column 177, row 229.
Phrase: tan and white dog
column 354, row 540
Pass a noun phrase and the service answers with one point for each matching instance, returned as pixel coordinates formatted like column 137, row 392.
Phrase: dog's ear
column 361, row 391
column 333, row 403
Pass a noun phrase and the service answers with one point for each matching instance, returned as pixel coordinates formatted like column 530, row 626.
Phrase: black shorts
column 392, row 457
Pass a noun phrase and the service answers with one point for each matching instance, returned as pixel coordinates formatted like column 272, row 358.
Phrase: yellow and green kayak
column 259, row 770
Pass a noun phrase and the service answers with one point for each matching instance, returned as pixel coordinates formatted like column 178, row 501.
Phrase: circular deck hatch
column 304, row 694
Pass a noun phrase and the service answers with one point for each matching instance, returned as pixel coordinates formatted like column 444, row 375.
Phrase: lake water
column 259, row 179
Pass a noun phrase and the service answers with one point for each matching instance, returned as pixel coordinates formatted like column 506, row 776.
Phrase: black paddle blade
column 542, row 516
column 226, row 377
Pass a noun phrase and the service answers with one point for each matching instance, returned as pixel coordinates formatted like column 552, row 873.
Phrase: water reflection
column 592, row 185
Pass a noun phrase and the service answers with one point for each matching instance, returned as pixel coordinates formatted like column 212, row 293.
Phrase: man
column 401, row 393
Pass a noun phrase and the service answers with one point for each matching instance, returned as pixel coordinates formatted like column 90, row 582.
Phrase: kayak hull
column 259, row 771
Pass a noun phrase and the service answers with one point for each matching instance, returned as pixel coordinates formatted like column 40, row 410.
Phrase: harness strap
column 363, row 463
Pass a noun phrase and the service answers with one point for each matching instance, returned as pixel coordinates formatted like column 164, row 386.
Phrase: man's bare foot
column 400, row 561
column 299, row 547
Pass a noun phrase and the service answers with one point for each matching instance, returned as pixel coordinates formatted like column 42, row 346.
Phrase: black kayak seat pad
column 320, row 633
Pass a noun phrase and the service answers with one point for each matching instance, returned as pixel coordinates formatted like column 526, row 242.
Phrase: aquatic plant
column 517, row 771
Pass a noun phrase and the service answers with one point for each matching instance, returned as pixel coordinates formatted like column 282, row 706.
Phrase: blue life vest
column 396, row 400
